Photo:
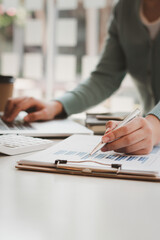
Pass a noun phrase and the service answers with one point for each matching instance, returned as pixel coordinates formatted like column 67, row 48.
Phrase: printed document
column 77, row 148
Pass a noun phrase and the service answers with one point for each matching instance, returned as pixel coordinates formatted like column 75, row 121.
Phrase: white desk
column 44, row 206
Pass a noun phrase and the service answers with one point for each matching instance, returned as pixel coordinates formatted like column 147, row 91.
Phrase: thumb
column 35, row 116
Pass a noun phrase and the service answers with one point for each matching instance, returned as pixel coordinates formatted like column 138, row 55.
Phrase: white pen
column 131, row 116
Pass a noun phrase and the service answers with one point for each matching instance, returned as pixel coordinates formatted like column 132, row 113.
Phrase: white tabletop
column 44, row 206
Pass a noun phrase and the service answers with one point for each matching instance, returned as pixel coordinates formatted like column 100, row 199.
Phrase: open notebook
column 72, row 156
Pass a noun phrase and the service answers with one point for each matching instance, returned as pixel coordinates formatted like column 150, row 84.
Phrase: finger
column 39, row 115
column 126, row 141
column 10, row 105
column 142, row 152
column 20, row 106
column 143, row 147
column 130, row 127
column 8, row 108
column 111, row 124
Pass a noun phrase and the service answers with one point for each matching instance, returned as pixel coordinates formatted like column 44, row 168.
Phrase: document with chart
column 72, row 154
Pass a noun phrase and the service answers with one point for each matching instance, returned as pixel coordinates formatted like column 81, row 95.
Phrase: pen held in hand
column 100, row 144
column 131, row 116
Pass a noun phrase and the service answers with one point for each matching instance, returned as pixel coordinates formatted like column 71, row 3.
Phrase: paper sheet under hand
column 78, row 147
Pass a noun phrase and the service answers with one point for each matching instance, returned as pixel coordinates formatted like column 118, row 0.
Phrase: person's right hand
column 36, row 109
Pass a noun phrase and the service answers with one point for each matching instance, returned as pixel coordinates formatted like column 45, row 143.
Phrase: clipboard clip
column 58, row 161
column 113, row 165
column 117, row 166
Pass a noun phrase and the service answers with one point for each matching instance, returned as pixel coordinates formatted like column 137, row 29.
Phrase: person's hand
column 36, row 109
column 136, row 137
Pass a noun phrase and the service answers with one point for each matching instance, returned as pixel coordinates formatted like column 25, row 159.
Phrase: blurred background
column 52, row 45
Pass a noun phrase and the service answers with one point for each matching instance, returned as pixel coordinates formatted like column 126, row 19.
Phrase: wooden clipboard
column 104, row 174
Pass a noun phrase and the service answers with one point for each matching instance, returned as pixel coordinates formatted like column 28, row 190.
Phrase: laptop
column 52, row 128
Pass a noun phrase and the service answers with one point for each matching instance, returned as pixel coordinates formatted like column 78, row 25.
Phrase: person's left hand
column 136, row 137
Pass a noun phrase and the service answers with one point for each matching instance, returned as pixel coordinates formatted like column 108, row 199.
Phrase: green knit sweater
column 127, row 49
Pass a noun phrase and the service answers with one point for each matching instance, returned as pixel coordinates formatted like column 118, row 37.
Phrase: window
column 52, row 45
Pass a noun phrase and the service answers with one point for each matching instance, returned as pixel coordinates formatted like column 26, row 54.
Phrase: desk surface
column 44, row 206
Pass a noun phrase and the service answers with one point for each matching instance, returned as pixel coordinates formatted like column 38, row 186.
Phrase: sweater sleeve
column 156, row 111
column 106, row 78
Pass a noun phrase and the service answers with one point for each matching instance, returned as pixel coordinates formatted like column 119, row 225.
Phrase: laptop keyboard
column 16, row 125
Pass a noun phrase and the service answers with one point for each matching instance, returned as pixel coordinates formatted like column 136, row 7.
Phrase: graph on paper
column 75, row 154
column 78, row 147
column 100, row 156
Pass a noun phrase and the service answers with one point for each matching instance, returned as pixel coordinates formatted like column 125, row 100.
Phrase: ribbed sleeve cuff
column 156, row 111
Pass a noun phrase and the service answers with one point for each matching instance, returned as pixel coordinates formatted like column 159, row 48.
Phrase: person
column 133, row 46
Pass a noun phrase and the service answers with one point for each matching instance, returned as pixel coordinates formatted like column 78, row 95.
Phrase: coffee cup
column 6, row 90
